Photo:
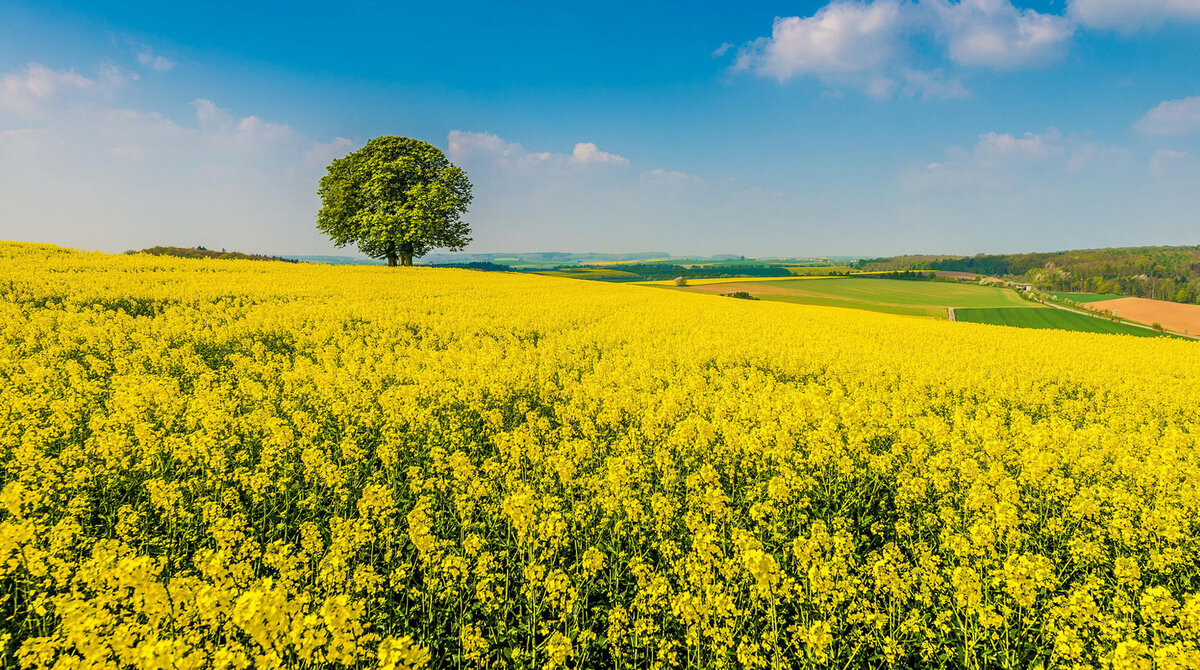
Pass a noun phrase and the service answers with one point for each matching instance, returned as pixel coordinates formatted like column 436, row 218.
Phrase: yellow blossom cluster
column 232, row 464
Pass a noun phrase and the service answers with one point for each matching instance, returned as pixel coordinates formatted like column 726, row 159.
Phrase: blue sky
column 762, row 128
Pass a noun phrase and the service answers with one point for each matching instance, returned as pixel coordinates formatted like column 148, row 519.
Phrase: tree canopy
column 396, row 198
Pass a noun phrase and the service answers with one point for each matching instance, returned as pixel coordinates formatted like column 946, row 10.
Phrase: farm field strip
column 734, row 280
column 1082, row 298
column 1042, row 317
column 1174, row 316
column 972, row 302
column 883, row 308
column 915, row 298
column 915, row 293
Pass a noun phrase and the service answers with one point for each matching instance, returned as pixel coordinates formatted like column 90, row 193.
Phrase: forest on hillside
column 1161, row 273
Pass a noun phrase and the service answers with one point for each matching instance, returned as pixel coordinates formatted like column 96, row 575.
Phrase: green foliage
column 602, row 274
column 1082, row 298
column 396, row 198
column 740, row 295
column 201, row 252
column 903, row 275
column 819, row 270
column 1160, row 273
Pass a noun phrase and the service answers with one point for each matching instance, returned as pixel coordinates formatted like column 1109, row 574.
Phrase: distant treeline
column 906, row 275
column 201, row 252
column 654, row 271
column 1161, row 273
column 448, row 260
column 486, row 267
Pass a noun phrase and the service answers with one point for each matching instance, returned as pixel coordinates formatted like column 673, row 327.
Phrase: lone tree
column 396, row 198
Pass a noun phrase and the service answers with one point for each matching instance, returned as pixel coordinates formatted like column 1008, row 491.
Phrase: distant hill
column 1161, row 273
column 339, row 260
column 201, row 252
column 539, row 258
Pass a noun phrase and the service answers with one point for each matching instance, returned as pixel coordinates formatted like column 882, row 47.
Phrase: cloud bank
column 871, row 45
column 79, row 168
column 921, row 48
column 1128, row 16
column 1172, row 117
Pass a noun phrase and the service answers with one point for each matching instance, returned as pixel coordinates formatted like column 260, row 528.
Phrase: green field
column 1048, row 317
column 886, row 308
column 1083, row 297
column 589, row 273
column 971, row 302
column 899, row 292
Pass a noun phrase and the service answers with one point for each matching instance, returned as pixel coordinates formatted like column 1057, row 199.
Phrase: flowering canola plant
column 233, row 464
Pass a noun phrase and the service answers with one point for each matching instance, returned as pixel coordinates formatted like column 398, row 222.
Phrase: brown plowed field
column 1172, row 315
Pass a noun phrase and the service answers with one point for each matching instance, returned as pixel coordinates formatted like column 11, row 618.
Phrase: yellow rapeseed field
column 233, row 464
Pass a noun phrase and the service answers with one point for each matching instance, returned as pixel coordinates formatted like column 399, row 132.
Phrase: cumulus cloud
column 1170, row 164
column 1002, row 159
column 872, row 45
column 995, row 34
column 593, row 199
column 28, row 91
column 1172, row 117
column 78, row 168
column 467, row 146
column 931, row 84
column 586, row 153
column 148, row 59
column 320, row 154
column 841, row 38
column 1132, row 15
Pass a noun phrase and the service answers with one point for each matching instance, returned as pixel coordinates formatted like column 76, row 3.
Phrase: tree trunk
column 391, row 258
column 406, row 254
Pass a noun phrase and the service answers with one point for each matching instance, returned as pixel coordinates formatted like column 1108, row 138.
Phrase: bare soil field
column 1172, row 315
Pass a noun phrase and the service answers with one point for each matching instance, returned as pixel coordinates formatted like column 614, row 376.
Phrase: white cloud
column 467, row 146
column 1004, row 159
column 1132, row 15
column 842, row 37
column 934, row 84
column 997, row 148
column 26, row 92
column 1172, row 117
column 148, row 59
column 586, row 153
column 873, row 45
column 1171, row 164
column 669, row 177
column 591, row 199
column 995, row 34
column 322, row 153
column 82, row 170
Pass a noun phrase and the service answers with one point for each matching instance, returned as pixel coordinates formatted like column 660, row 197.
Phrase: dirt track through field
column 1172, row 315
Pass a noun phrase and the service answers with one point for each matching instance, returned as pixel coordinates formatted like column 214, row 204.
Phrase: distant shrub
column 741, row 295
column 681, row 281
